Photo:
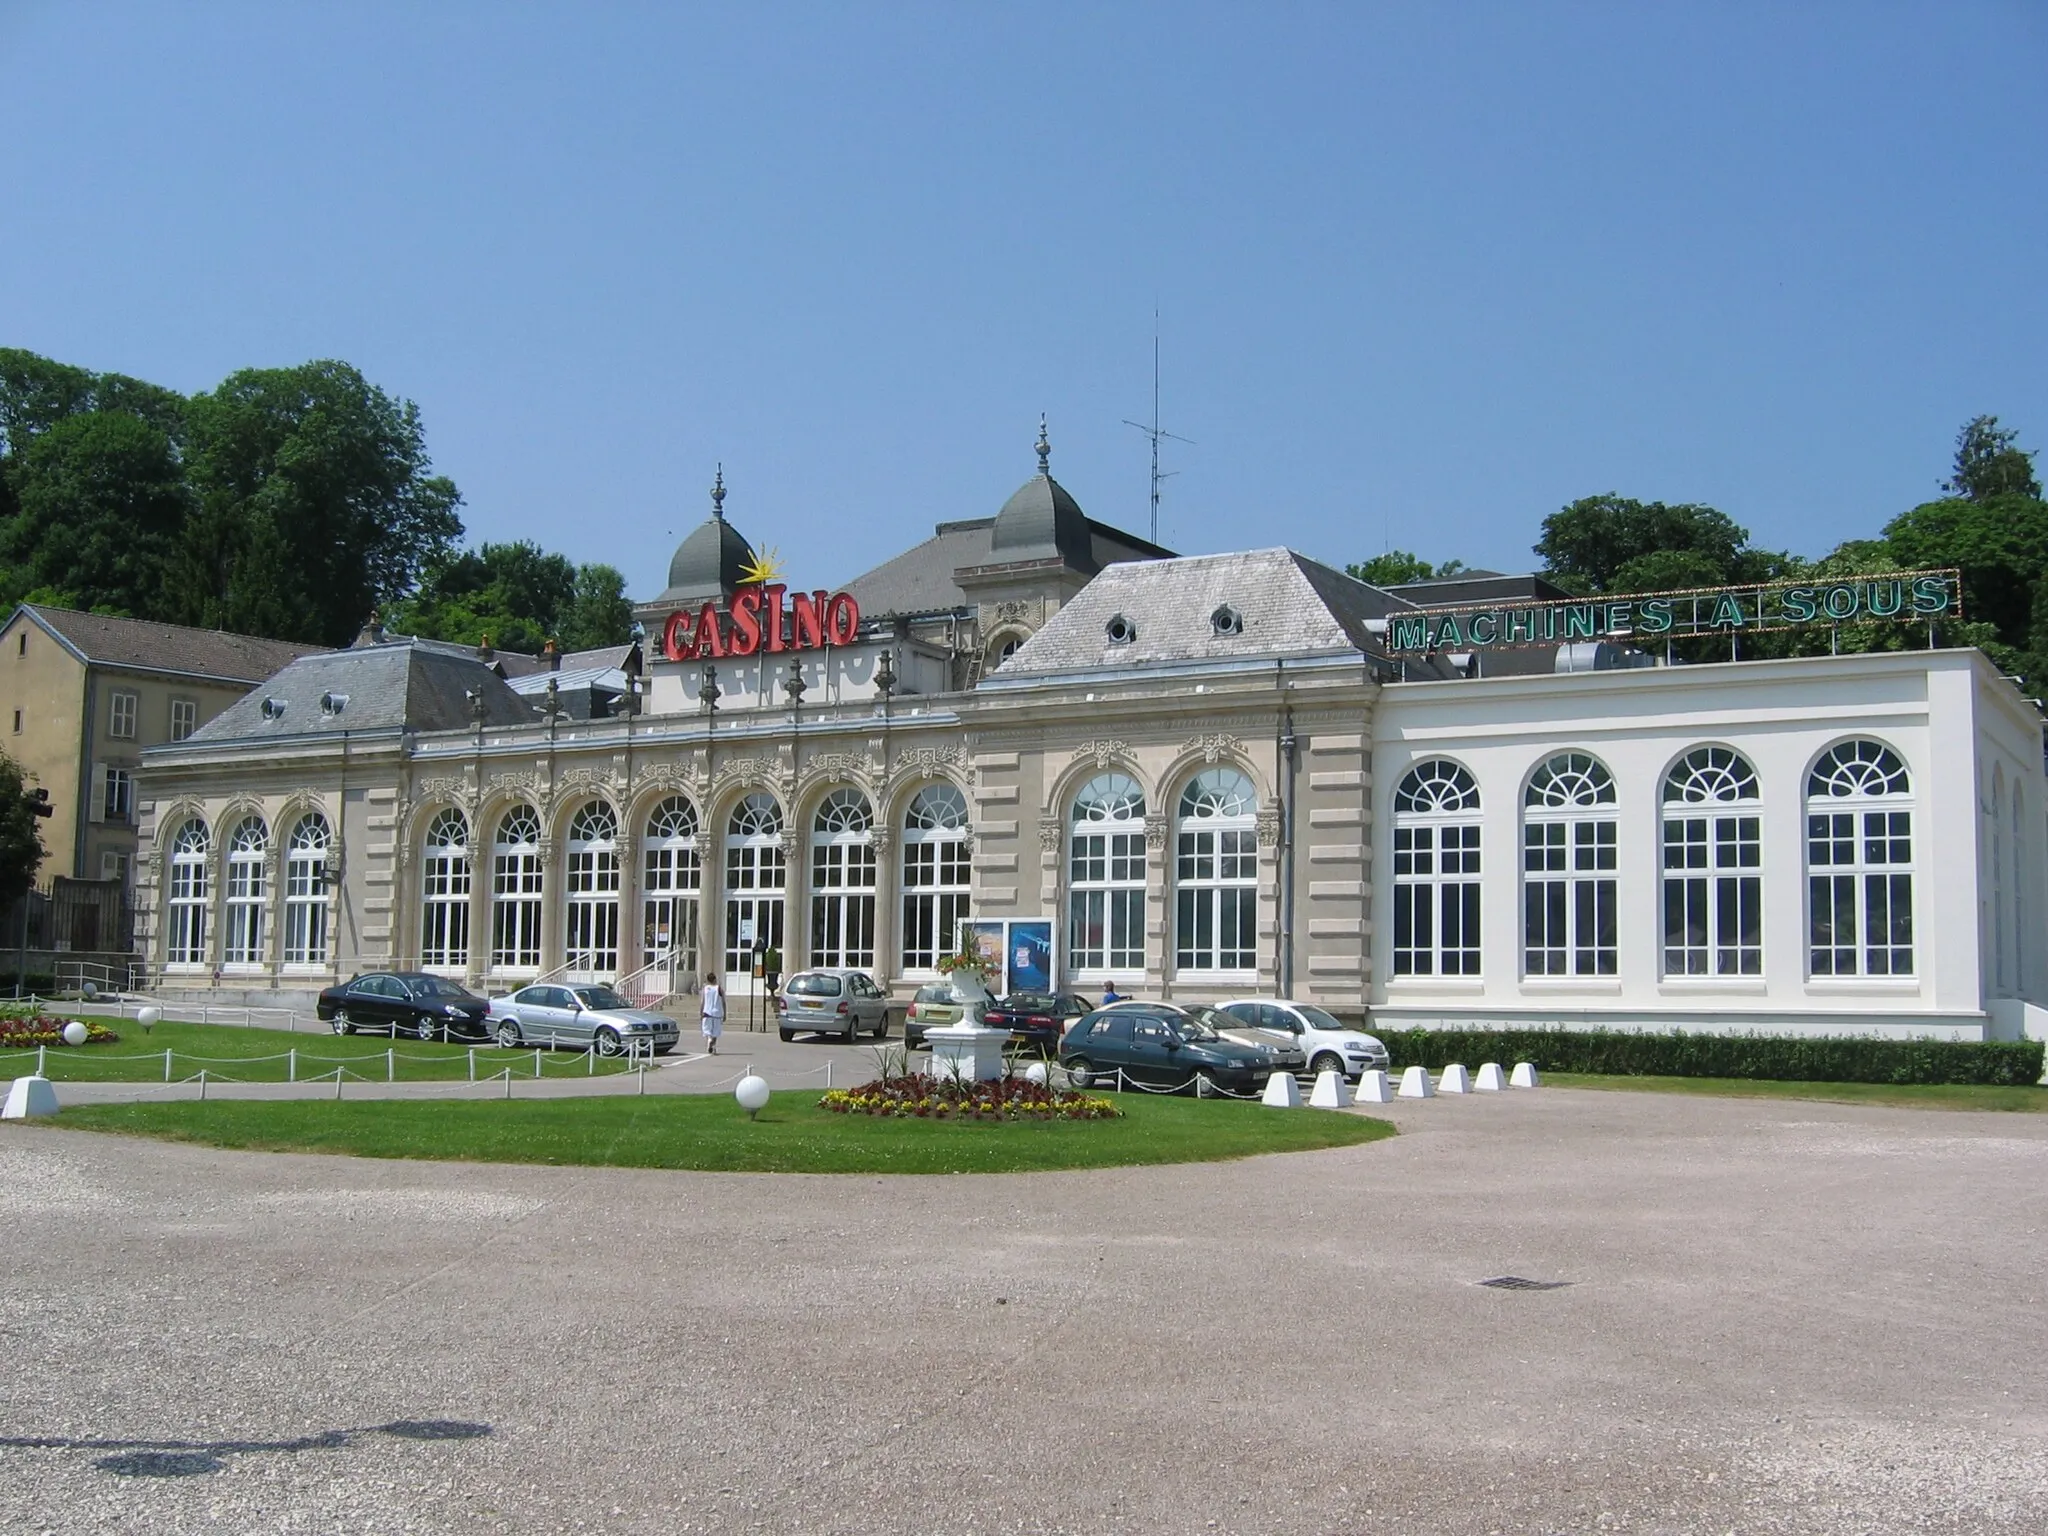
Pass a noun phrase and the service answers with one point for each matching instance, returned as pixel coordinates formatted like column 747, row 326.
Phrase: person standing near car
column 713, row 1001
column 1110, row 994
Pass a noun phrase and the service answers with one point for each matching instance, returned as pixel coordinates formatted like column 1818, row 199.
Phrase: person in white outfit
column 714, row 1012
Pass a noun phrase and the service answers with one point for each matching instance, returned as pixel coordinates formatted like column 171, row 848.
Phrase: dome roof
column 711, row 561
column 1042, row 522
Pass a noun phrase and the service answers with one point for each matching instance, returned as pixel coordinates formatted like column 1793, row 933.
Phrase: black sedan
column 1035, row 1020
column 405, row 1002
column 1161, row 1045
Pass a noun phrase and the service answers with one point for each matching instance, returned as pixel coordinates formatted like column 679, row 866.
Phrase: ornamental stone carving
column 926, row 762
column 1155, row 832
column 835, row 766
column 1013, row 612
column 1104, row 752
column 513, row 782
column 440, row 789
column 1050, row 832
column 1213, row 748
column 674, row 776
column 750, row 771
column 597, row 781
column 1268, row 823
column 881, row 838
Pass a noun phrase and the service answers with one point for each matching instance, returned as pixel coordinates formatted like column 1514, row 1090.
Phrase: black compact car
column 405, row 1003
column 1161, row 1045
column 1035, row 1020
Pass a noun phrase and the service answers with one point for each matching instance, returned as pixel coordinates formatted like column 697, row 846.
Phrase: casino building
column 1198, row 777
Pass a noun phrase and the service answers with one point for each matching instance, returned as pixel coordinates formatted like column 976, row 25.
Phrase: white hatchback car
column 1328, row 1042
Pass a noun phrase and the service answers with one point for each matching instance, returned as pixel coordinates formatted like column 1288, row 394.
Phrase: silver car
column 578, row 1014
column 832, row 1002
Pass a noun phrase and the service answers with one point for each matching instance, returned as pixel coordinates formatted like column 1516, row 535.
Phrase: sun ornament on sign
column 765, row 566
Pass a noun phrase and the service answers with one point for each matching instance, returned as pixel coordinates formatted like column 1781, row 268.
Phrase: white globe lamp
column 752, row 1094
column 1035, row 1074
column 76, row 1033
column 147, row 1015
column 91, row 990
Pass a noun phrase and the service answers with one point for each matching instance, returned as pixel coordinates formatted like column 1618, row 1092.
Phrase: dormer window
column 1121, row 631
column 1226, row 620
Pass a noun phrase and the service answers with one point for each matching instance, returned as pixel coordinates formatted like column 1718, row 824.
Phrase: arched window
column 1436, row 871
column 1216, row 873
column 515, row 891
column 248, row 846
column 843, row 881
column 936, row 875
column 754, row 873
column 1568, row 860
column 1713, row 863
column 190, row 851
column 305, row 892
column 444, row 893
column 672, row 875
column 1995, row 835
column 1106, row 879
column 591, row 931
column 1859, row 862
column 2020, row 872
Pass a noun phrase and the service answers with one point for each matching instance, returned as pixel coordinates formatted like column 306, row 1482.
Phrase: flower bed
column 23, row 1029
column 924, row 1097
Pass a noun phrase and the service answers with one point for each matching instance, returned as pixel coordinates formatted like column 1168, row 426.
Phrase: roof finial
column 1044, row 449
column 718, row 494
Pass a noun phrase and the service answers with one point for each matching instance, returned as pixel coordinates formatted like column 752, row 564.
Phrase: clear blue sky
column 1424, row 273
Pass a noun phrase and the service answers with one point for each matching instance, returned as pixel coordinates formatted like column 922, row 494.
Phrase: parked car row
column 428, row 1007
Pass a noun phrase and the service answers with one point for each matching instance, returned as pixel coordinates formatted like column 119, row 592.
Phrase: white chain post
column 390, row 1064
column 536, row 1067
column 202, row 1082
column 472, row 1063
column 291, row 1065
column 167, row 1063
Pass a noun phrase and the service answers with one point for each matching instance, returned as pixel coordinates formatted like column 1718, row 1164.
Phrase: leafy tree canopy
column 1397, row 566
column 21, row 843
column 520, row 597
column 1990, row 463
column 1589, row 545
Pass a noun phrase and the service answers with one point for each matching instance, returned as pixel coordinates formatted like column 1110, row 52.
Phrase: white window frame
column 185, row 932
column 1860, row 861
column 122, row 708
column 446, row 874
column 1216, row 876
column 306, row 893
column 937, row 872
column 844, row 879
column 672, row 881
column 1437, row 888
column 756, row 879
column 117, row 794
column 184, row 718
column 1713, row 887
column 516, row 892
column 1570, row 868
column 1107, row 864
column 590, row 928
column 244, row 939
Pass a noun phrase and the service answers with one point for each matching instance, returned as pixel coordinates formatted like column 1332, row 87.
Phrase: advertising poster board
column 1018, row 952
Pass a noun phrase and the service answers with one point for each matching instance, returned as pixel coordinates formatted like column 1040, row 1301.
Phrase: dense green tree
column 21, row 843
column 1990, row 462
column 99, row 508
column 1398, row 566
column 37, row 392
column 520, row 596
column 600, row 614
column 1586, row 545
column 315, row 505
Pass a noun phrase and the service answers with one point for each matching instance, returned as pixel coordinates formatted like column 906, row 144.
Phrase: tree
column 1988, row 464
column 100, row 505
column 600, row 614
column 1397, row 567
column 315, row 505
column 518, row 594
column 37, row 392
column 1586, row 545
column 1999, row 543
column 21, row 843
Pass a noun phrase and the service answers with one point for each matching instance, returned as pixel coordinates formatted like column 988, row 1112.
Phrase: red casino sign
column 765, row 618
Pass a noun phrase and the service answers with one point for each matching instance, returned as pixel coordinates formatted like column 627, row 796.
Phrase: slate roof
column 1480, row 587
column 404, row 682
column 1289, row 605
column 920, row 580
column 149, row 646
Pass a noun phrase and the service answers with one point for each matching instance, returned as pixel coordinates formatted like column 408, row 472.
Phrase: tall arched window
column 843, row 881
column 1713, row 866
column 672, row 874
column 2021, row 870
column 248, row 845
column 1859, row 862
column 1436, row 871
column 515, row 891
column 1995, row 835
column 936, row 875
column 754, row 872
column 591, row 930
column 444, row 893
column 1106, row 878
column 1568, row 859
column 305, row 892
column 190, row 851
column 1216, row 873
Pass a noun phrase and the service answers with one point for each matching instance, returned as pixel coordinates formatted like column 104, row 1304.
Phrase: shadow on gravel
column 197, row 1458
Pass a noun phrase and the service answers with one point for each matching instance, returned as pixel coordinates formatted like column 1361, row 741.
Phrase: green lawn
column 263, row 1056
column 707, row 1131
column 1902, row 1095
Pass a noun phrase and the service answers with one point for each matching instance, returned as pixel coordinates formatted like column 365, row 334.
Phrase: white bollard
column 291, row 1065
column 1455, row 1079
column 31, row 1095
column 1373, row 1088
column 1415, row 1084
column 472, row 1063
column 41, row 1051
column 202, row 1082
column 1282, row 1091
column 1524, row 1075
column 167, row 1063
column 1330, row 1092
column 391, row 1064
column 1490, row 1079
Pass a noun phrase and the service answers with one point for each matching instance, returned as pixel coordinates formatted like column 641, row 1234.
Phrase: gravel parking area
column 1779, row 1318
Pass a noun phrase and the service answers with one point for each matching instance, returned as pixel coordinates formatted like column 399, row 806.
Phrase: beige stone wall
column 42, row 707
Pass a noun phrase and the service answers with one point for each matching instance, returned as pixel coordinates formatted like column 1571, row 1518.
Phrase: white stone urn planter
column 969, row 1050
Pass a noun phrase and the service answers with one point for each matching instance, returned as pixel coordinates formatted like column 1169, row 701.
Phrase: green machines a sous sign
column 1653, row 616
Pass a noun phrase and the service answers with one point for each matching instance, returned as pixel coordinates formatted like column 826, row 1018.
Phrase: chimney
column 484, row 653
column 552, row 651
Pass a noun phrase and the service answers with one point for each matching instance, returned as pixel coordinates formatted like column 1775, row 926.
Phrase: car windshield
column 435, row 986
column 1201, row 1023
column 599, row 997
column 1317, row 1019
column 937, row 994
column 1030, row 1002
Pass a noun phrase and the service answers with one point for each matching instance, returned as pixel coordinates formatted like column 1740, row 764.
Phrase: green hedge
column 1817, row 1059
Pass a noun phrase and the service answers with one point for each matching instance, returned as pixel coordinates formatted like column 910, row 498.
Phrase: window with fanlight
column 516, row 891
column 1106, row 862
column 1436, row 871
column 1713, row 866
column 1216, row 873
column 1570, row 922
column 843, row 880
column 191, row 851
column 754, row 875
column 444, row 892
column 671, row 876
column 590, row 938
column 936, row 875
column 1859, row 862
column 305, row 891
column 247, row 898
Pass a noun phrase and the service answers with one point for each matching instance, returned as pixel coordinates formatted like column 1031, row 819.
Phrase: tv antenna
column 1156, row 432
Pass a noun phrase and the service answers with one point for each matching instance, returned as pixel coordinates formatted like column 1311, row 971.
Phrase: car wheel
column 608, row 1043
column 423, row 1029
column 341, row 1023
column 852, row 1030
column 882, row 1027
column 508, row 1035
column 663, row 1050
column 1080, row 1074
column 1329, row 1061
column 787, row 1034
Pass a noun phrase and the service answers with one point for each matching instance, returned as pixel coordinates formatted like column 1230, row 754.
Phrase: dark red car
column 1035, row 1019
